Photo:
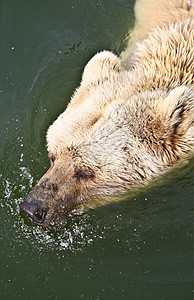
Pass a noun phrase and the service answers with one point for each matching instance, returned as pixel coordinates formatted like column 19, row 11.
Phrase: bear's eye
column 84, row 174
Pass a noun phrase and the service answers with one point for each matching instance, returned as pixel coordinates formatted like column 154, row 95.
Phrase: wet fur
column 131, row 118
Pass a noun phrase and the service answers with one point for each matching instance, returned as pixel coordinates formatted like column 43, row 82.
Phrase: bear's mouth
column 35, row 213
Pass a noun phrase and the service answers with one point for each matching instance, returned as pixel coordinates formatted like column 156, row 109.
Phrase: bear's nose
column 35, row 213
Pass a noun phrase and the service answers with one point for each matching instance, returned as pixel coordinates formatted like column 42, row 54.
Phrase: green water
column 141, row 248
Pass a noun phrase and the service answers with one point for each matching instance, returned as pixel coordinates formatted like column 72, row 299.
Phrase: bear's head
column 110, row 138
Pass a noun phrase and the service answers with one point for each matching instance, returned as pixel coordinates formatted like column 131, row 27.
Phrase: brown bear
column 130, row 119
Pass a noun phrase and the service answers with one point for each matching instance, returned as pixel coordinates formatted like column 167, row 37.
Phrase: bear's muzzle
column 36, row 213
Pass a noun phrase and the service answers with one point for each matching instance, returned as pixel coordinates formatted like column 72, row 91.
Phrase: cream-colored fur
column 131, row 118
column 164, row 60
column 151, row 14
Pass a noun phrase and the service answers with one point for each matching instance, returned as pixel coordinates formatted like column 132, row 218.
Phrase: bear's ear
column 177, row 110
column 101, row 67
column 179, row 104
column 171, row 130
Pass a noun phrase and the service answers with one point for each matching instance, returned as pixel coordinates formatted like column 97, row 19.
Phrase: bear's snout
column 53, row 196
column 34, row 212
column 35, row 206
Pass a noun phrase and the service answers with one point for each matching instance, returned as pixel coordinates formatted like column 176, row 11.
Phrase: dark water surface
column 141, row 248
